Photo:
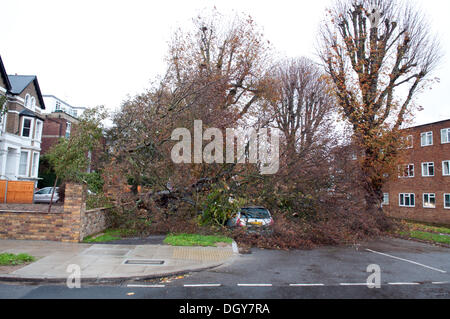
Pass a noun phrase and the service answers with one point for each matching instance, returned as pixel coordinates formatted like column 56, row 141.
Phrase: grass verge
column 424, row 232
column 107, row 235
column 195, row 240
column 7, row 259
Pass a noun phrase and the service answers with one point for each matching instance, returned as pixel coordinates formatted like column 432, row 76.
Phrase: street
column 408, row 270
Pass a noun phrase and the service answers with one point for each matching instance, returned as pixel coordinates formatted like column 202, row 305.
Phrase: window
column 406, row 170
column 447, row 201
column 23, row 164
column 68, row 128
column 407, row 200
column 446, row 168
column 3, row 121
column 26, row 127
column 445, row 136
column 426, row 139
column 428, row 169
column 27, row 100
column 58, row 106
column 385, row 199
column 33, row 102
column 35, row 165
column 45, row 191
column 407, row 142
column 429, row 200
column 38, row 131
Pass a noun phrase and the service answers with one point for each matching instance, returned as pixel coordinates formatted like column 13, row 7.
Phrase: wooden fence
column 16, row 192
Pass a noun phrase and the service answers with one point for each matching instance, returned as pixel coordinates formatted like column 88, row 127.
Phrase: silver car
column 251, row 217
column 44, row 195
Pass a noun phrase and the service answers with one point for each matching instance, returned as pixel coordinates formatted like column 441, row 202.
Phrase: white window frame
column 401, row 170
column 443, row 168
column 426, row 134
column 407, row 141
column 409, row 145
column 429, row 197
column 31, row 127
column 27, row 100
column 404, row 196
column 3, row 121
column 28, row 163
column 427, row 170
column 385, row 199
column 35, row 171
column 38, row 133
column 68, row 129
column 445, row 133
column 446, row 194
column 33, row 103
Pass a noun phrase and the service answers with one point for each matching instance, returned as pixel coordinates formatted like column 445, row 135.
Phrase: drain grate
column 143, row 262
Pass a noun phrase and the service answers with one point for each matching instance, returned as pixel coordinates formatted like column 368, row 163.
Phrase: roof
column 27, row 112
column 422, row 125
column 4, row 75
column 57, row 98
column 21, row 82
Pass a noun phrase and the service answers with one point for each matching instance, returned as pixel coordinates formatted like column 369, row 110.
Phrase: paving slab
column 107, row 262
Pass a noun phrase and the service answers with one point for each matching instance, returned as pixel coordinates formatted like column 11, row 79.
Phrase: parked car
column 44, row 195
column 251, row 217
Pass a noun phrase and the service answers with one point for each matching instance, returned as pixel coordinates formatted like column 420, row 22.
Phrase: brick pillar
column 74, row 207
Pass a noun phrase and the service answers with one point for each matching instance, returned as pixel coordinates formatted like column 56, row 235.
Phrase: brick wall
column 31, row 225
column 418, row 184
column 70, row 225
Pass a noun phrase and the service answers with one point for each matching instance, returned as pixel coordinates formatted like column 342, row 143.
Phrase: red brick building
column 421, row 189
column 60, row 118
column 56, row 125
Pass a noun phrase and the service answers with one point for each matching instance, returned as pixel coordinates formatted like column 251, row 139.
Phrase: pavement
column 114, row 262
column 408, row 270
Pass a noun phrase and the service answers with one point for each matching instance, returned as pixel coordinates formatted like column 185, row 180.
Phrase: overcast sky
column 96, row 52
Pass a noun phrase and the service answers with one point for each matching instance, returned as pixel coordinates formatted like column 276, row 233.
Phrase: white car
column 44, row 195
column 253, row 217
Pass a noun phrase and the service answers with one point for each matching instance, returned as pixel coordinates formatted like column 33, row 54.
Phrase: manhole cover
column 143, row 262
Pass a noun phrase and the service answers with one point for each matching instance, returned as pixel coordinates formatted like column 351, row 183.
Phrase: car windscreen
column 44, row 191
column 259, row 213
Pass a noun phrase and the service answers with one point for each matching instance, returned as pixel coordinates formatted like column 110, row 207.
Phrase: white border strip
column 403, row 283
column 203, row 285
column 409, row 261
column 306, row 285
column 254, row 285
column 146, row 286
column 353, row 284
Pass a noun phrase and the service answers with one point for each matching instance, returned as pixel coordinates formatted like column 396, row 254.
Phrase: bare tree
column 215, row 73
column 302, row 105
column 379, row 54
column 229, row 56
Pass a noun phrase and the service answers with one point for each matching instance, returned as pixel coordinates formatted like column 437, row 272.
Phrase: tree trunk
column 53, row 194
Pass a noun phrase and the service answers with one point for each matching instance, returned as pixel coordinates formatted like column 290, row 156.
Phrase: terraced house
column 20, row 127
column 421, row 189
